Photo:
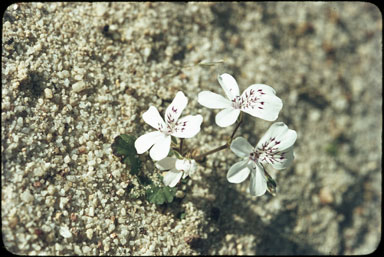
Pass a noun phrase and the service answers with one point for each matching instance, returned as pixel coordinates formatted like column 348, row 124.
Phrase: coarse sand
column 76, row 75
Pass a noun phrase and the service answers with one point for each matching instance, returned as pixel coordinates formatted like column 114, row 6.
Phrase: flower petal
column 213, row 100
column 276, row 146
column 278, row 135
column 229, row 85
column 227, row 117
column 166, row 164
column 258, row 185
column 153, row 118
column 144, row 142
column 183, row 165
column 241, row 147
column 161, row 148
column 174, row 110
column 284, row 158
column 260, row 101
column 172, row 177
column 187, row 166
column 187, row 126
column 238, row 172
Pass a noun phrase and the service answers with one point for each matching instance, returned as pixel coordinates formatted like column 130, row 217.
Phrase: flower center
column 249, row 100
column 236, row 102
column 270, row 153
column 254, row 156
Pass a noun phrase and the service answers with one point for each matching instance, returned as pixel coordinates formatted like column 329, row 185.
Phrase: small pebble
column 48, row 93
column 91, row 211
column 78, row 86
column 89, row 233
column 325, row 196
column 67, row 159
column 64, row 231
column 27, row 197
column 86, row 249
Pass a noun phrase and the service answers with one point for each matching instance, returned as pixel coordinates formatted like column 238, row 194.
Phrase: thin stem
column 181, row 146
column 201, row 156
column 237, row 126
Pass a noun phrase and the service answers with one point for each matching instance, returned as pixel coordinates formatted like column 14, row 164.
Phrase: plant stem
column 181, row 146
column 201, row 156
column 237, row 126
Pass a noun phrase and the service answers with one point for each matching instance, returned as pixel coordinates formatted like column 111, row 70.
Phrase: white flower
column 160, row 139
column 258, row 100
column 275, row 148
column 176, row 169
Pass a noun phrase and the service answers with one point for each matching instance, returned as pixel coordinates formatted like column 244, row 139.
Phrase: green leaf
column 332, row 149
column 124, row 147
column 181, row 215
column 144, row 180
column 160, row 195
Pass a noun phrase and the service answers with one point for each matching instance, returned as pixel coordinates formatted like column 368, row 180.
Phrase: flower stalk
column 201, row 156
column 181, row 146
column 225, row 146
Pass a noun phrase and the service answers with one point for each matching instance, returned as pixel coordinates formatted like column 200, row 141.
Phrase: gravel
column 76, row 75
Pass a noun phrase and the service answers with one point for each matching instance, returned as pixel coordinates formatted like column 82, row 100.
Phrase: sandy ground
column 76, row 75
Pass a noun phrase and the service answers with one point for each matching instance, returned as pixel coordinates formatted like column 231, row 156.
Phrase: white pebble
column 77, row 250
column 63, row 202
column 48, row 93
column 91, row 162
column 120, row 192
column 91, row 211
column 66, row 82
column 20, row 121
column 65, row 73
column 49, row 137
column 51, row 189
column 64, row 231
column 86, row 249
column 147, row 51
column 89, row 233
column 116, row 173
column 78, row 77
column 46, row 228
column 67, row 159
column 100, row 9
column 58, row 247
column 79, row 86
column 26, row 196
column 111, row 228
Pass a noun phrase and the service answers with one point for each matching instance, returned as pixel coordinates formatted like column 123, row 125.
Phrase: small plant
column 273, row 151
column 123, row 146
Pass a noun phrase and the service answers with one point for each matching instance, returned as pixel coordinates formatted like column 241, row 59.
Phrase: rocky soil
column 76, row 75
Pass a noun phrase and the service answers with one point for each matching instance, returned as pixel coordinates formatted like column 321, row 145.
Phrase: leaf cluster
column 160, row 195
column 124, row 148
